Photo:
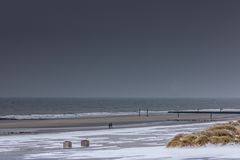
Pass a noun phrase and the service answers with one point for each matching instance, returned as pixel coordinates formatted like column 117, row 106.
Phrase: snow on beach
column 119, row 144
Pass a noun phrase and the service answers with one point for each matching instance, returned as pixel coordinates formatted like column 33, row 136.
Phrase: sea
column 55, row 108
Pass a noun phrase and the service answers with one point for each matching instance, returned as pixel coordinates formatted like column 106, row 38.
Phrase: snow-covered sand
column 119, row 144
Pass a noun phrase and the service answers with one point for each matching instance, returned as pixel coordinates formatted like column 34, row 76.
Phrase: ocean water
column 45, row 108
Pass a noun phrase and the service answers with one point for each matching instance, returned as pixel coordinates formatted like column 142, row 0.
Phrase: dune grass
column 220, row 134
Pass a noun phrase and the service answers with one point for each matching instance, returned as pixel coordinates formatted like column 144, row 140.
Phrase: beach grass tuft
column 219, row 134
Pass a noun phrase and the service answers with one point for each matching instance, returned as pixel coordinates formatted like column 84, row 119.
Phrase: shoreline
column 15, row 127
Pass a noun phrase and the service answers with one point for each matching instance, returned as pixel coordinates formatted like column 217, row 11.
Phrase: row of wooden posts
column 211, row 116
column 68, row 144
column 139, row 112
column 204, row 112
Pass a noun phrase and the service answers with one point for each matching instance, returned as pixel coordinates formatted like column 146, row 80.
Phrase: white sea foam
column 74, row 115
column 64, row 116
column 92, row 114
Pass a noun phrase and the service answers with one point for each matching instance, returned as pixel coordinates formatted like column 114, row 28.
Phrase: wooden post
column 139, row 112
column 211, row 116
column 177, row 115
column 147, row 112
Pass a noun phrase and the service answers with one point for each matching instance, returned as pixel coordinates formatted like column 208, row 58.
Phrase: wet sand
column 116, row 120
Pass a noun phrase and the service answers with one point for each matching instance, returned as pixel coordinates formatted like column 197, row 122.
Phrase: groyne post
column 147, row 112
column 211, row 116
column 139, row 112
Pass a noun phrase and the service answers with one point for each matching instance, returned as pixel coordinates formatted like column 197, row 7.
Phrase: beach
column 120, row 80
column 50, row 125
column 132, row 137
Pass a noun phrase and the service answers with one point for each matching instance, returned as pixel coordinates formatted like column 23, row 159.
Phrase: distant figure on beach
column 110, row 125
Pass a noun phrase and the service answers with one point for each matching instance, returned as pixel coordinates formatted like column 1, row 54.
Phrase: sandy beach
column 121, row 143
column 119, row 80
column 103, row 121
column 93, row 123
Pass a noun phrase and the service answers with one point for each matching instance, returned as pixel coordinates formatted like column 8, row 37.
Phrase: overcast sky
column 120, row 48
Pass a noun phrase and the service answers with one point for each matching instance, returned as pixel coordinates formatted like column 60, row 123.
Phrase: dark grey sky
column 120, row 48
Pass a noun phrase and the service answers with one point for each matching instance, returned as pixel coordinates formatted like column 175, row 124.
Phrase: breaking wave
column 73, row 115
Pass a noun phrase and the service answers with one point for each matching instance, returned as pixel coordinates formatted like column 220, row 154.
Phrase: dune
column 220, row 134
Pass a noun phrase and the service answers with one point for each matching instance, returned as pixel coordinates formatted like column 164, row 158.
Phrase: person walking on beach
column 110, row 125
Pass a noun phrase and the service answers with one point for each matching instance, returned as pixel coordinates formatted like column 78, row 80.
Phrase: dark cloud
column 121, row 48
